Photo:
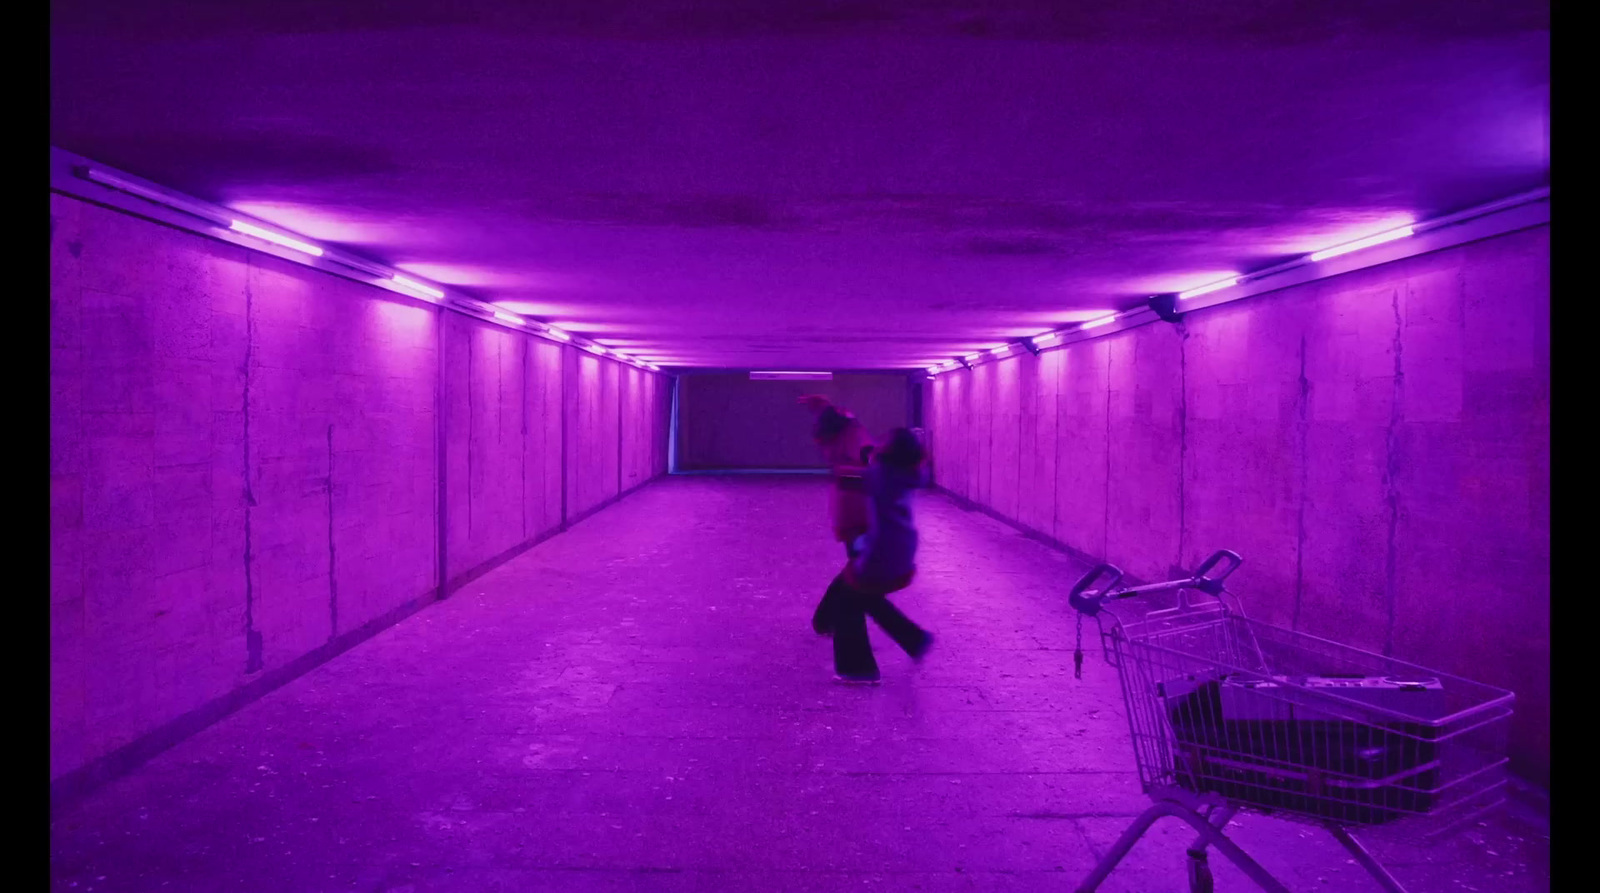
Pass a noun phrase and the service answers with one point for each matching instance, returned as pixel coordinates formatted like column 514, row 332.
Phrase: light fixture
column 1097, row 323
column 933, row 370
column 557, row 334
column 595, row 349
column 152, row 194
column 1047, row 339
column 509, row 317
column 1208, row 289
column 1000, row 351
column 239, row 226
column 973, row 357
column 791, row 376
column 1359, row 244
column 418, row 287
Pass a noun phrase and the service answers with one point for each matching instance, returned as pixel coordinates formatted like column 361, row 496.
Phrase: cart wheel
column 1200, row 880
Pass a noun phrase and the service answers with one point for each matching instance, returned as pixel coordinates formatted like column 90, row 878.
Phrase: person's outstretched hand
column 814, row 402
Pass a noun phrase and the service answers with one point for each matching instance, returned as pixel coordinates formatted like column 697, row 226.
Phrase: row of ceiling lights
column 417, row 288
column 398, row 281
column 1048, row 339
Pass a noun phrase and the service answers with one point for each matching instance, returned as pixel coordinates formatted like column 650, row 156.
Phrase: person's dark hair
column 903, row 449
column 830, row 424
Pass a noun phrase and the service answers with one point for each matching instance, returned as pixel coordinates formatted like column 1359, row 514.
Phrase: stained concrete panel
column 608, row 442
column 1036, row 460
column 1242, row 462
column 1005, row 439
column 1082, row 451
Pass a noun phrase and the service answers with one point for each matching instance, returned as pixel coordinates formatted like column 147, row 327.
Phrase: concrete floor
column 639, row 705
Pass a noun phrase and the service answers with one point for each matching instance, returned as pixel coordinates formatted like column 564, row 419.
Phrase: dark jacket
column 886, row 560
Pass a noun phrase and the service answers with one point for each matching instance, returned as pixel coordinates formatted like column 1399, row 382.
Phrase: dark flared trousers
column 852, row 652
column 822, row 618
column 843, row 612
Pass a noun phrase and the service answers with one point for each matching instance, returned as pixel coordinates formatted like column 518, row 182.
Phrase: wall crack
column 1391, row 475
column 471, row 386
column 253, row 661
column 333, row 577
column 1105, row 526
column 527, row 357
column 1304, row 425
column 1183, row 443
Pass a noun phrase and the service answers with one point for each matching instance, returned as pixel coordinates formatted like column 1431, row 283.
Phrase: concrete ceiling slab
column 815, row 185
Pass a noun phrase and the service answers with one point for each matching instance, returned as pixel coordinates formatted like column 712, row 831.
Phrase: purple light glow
column 467, row 274
column 1047, row 339
column 1078, row 315
column 1208, row 289
column 1359, row 244
column 396, row 322
column 973, row 357
column 1097, row 323
column 557, row 334
column 526, row 308
column 419, row 287
column 268, row 235
column 1000, row 351
column 509, row 317
column 329, row 225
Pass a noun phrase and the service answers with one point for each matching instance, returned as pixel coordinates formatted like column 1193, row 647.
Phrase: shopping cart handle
column 1208, row 579
column 1087, row 602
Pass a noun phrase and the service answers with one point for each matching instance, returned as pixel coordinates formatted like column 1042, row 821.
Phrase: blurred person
column 881, row 558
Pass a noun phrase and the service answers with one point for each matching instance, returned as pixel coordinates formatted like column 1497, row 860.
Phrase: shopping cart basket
column 1230, row 714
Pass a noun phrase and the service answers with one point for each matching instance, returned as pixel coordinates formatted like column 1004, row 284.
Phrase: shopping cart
column 1230, row 714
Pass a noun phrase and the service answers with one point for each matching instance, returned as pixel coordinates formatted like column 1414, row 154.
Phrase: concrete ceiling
column 815, row 185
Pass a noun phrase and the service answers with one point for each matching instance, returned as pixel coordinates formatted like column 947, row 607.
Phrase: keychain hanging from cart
column 1086, row 601
column 1077, row 652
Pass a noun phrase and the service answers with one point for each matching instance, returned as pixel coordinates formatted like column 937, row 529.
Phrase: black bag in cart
column 1279, row 745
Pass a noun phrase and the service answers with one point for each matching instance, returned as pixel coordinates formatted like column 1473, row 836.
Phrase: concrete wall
column 726, row 420
column 1375, row 445
column 245, row 466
